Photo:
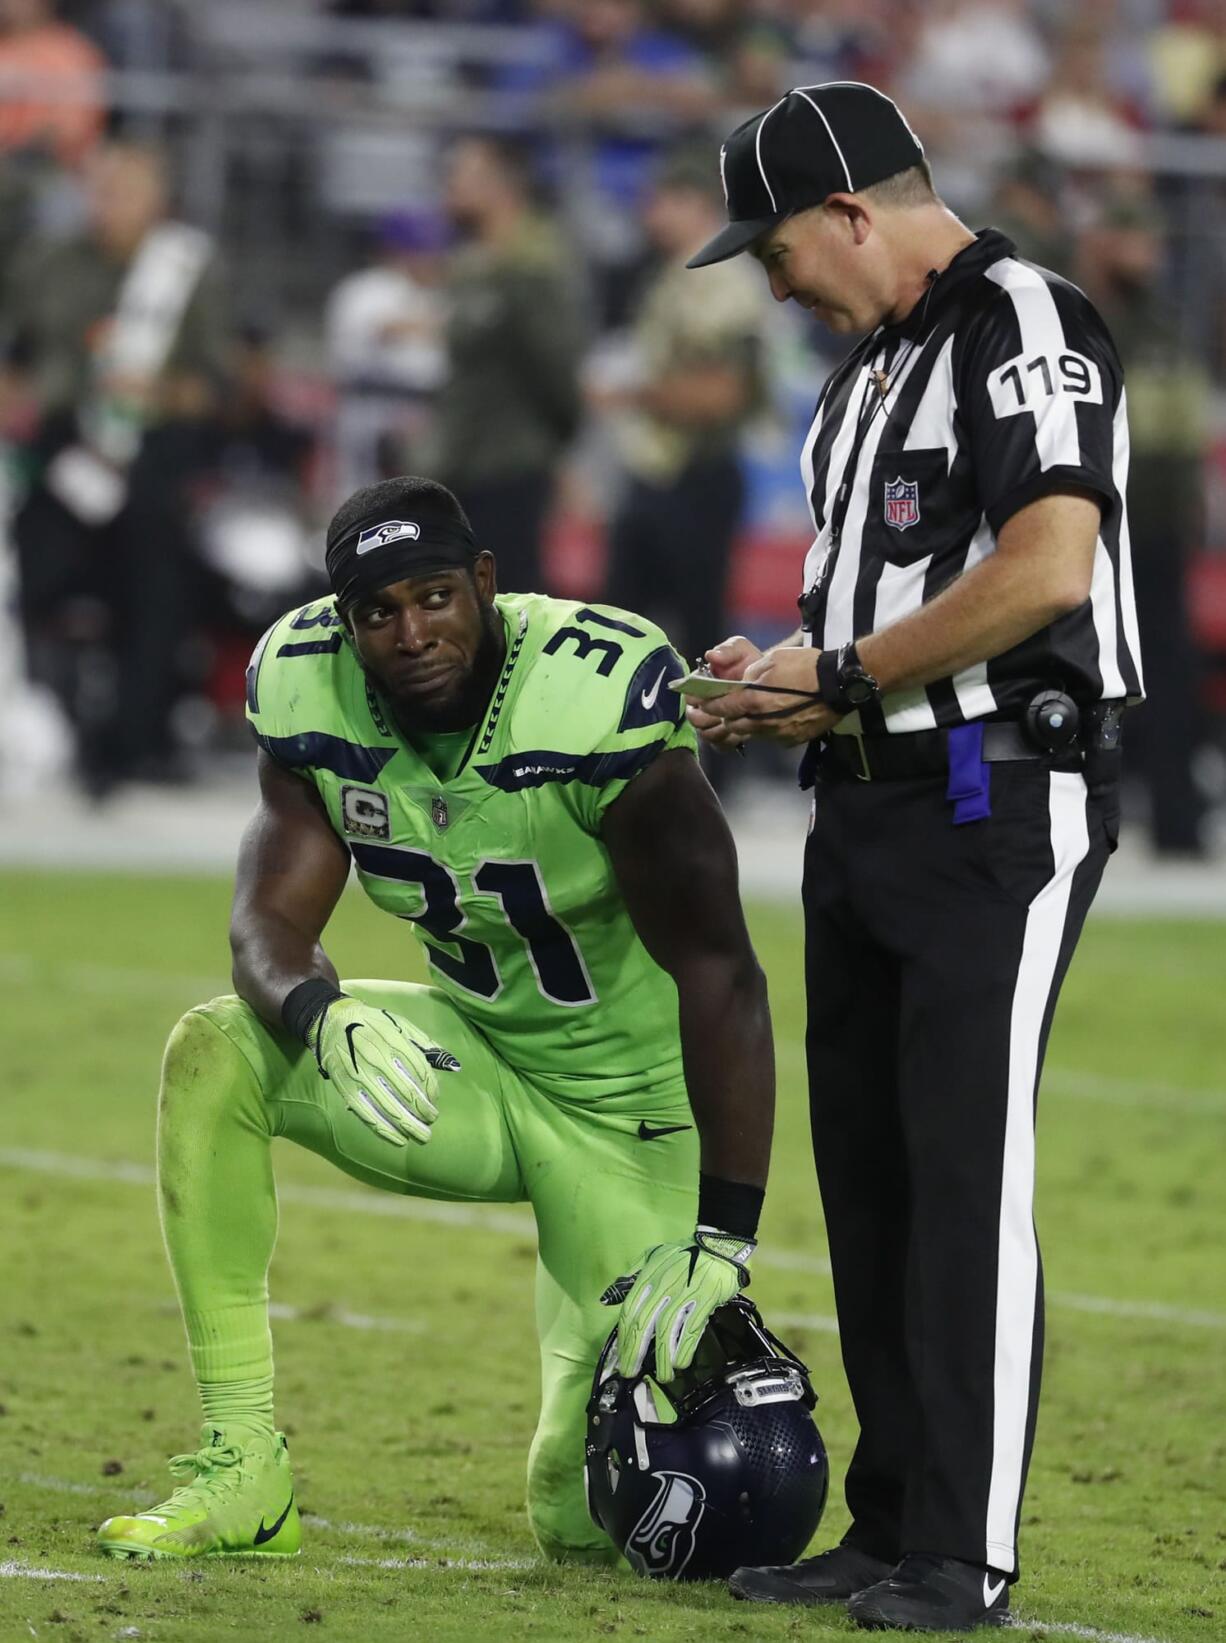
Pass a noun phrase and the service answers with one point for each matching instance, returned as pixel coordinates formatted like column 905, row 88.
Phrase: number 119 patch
column 1022, row 384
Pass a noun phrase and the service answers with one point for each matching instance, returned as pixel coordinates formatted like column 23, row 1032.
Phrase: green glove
column 386, row 1078
column 671, row 1298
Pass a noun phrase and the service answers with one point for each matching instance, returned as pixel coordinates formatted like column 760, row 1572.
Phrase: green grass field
column 406, row 1353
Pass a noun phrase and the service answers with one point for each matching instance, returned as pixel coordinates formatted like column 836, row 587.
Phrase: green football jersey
column 500, row 870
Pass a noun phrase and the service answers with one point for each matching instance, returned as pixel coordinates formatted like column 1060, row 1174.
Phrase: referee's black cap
column 814, row 142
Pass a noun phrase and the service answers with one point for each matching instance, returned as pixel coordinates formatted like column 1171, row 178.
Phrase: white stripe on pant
column 1017, row 1273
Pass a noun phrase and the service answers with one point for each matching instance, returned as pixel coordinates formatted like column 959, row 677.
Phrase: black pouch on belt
column 1102, row 741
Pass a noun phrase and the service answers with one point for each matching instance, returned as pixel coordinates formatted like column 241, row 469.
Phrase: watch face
column 858, row 691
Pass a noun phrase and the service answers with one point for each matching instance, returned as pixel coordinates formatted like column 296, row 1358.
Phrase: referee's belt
column 921, row 753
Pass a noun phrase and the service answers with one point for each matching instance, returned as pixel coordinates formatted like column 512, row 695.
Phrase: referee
column 969, row 642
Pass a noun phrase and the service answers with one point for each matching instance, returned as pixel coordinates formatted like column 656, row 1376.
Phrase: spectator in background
column 983, row 57
column 253, row 508
column 125, row 335
column 701, row 377
column 628, row 85
column 61, row 110
column 1028, row 207
column 747, row 53
column 1082, row 120
column 510, row 403
column 1119, row 262
column 383, row 328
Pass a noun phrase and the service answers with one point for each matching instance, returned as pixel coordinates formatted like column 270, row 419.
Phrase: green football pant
column 600, row 1194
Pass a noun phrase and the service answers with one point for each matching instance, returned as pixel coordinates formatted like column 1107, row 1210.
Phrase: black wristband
column 730, row 1206
column 828, row 683
column 305, row 1002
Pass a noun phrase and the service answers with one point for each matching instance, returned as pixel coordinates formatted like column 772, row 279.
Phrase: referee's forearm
column 1041, row 570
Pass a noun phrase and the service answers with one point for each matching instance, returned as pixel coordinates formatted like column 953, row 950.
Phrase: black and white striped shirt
column 1001, row 386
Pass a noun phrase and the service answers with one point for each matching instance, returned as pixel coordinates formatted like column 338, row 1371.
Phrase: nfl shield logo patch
column 902, row 503
column 439, row 814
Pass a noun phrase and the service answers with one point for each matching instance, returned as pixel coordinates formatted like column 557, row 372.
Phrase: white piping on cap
column 863, row 85
column 834, row 140
column 723, row 180
column 757, row 148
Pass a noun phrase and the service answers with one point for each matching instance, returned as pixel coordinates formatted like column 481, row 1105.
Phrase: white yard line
column 21, row 1571
column 357, row 1531
column 66, row 1486
column 520, row 1226
column 1069, row 1628
column 806, row 1320
column 448, row 1563
column 347, row 1320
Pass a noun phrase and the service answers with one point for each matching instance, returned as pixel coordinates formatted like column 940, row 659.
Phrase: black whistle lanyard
column 876, row 387
column 873, row 399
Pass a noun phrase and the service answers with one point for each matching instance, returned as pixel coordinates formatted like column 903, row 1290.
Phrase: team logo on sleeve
column 902, row 503
column 394, row 530
column 365, row 813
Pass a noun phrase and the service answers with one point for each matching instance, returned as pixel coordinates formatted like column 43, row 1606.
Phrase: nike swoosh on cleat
column 990, row 1592
column 648, row 698
column 262, row 1534
column 648, row 1133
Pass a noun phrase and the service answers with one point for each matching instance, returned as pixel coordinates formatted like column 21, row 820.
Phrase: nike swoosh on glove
column 671, row 1297
column 386, row 1078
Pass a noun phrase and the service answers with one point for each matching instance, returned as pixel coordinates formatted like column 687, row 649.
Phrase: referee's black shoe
column 933, row 1594
column 830, row 1577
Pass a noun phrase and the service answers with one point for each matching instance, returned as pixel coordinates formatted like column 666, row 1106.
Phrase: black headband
column 378, row 551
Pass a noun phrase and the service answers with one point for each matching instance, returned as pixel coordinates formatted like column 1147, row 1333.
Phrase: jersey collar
column 988, row 246
column 484, row 730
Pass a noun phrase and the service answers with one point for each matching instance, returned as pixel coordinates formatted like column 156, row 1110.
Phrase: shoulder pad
column 278, row 672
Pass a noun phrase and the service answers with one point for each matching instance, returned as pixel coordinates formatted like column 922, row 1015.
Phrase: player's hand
column 385, row 1072
column 671, row 1297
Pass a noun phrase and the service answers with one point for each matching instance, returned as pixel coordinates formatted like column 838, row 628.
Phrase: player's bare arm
column 675, row 865
column 291, row 871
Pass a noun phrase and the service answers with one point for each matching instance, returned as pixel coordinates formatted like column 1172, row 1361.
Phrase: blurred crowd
column 254, row 255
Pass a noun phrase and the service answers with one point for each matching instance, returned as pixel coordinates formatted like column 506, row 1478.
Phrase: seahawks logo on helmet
column 662, row 1541
column 378, row 536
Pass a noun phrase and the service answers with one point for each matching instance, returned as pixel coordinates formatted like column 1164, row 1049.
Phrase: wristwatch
column 843, row 682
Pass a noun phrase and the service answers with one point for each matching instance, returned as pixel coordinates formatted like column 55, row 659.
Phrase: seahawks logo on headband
column 378, row 536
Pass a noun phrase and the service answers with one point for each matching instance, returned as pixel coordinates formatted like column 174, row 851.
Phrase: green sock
column 219, row 1218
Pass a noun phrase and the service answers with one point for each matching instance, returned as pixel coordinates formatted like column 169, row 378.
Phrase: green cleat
column 239, row 1503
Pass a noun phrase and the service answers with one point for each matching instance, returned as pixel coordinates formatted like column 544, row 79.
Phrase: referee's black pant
column 934, row 956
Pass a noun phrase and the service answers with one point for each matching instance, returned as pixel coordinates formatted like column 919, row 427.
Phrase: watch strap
column 829, row 688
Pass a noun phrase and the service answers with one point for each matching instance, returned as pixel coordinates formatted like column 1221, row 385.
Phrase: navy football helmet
column 723, row 1466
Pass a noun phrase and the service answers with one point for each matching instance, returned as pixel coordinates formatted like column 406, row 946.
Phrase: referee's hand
column 727, row 660
column 729, row 720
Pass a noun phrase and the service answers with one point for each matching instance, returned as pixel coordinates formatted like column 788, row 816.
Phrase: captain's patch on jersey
column 365, row 813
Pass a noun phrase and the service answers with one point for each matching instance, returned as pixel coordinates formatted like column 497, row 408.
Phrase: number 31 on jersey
column 1024, row 384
